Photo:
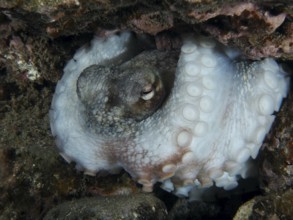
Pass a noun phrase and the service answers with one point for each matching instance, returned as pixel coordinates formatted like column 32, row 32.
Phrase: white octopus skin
column 211, row 125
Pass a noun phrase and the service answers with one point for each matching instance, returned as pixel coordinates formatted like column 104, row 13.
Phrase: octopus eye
column 147, row 92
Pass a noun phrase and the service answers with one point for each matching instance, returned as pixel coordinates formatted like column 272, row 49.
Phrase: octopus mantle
column 205, row 134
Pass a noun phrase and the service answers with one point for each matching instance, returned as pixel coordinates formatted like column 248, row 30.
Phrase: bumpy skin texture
column 202, row 130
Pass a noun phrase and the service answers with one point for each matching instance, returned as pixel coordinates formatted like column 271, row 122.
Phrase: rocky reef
column 37, row 38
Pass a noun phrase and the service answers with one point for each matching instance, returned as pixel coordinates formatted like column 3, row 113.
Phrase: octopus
column 192, row 119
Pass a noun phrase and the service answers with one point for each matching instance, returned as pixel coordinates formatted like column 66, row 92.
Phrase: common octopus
column 192, row 121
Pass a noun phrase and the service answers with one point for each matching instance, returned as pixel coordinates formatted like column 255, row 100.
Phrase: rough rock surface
column 259, row 28
column 38, row 37
column 134, row 207
column 273, row 206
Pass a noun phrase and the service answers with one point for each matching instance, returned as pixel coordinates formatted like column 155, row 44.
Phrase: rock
column 274, row 206
column 260, row 29
column 183, row 209
column 136, row 206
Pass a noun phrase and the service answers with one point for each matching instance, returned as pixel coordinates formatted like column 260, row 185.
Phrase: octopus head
column 120, row 96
